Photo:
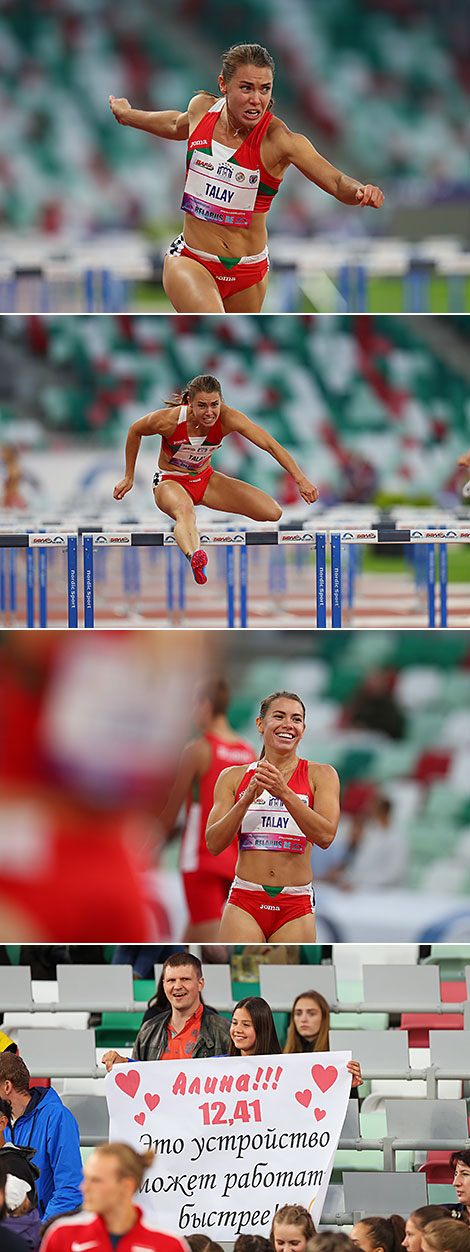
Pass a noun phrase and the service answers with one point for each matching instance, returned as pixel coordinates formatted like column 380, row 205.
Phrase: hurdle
column 236, row 564
column 44, row 542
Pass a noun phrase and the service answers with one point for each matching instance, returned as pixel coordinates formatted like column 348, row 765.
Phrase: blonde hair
column 294, row 1040
column 447, row 1235
column 294, row 1215
column 130, row 1164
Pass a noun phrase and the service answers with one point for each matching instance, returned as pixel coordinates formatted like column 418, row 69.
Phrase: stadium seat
column 399, row 985
column 96, row 987
column 15, row 988
column 427, row 1119
column 419, row 1026
column 218, row 987
column 383, row 1194
column 58, row 1053
column 381, row 1054
column 450, row 1051
column 91, row 1112
column 280, row 984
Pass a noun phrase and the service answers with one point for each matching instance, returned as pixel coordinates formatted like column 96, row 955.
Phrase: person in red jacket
column 113, row 1173
column 206, row 880
column 238, row 153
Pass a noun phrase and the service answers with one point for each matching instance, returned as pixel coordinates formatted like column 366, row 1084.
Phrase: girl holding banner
column 253, row 1033
column 277, row 808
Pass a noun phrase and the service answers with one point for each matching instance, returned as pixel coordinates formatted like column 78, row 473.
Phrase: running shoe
column 198, row 562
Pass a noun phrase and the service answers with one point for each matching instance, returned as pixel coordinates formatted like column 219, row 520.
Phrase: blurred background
column 91, row 731
column 380, row 87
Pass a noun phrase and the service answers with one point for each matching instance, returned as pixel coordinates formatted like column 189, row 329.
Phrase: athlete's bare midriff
column 276, row 869
column 226, row 240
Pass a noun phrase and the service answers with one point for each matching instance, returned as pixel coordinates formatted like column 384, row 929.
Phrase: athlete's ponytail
column 278, row 695
column 203, row 382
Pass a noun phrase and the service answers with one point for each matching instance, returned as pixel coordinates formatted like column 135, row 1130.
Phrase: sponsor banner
column 99, row 540
column 450, row 535
column 358, row 536
column 234, row 1138
column 296, row 536
column 222, row 537
column 44, row 541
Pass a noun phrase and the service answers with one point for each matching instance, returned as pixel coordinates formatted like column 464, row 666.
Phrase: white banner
column 235, row 1137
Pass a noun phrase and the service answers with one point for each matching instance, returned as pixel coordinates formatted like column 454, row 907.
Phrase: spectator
column 380, row 854
column 460, row 1163
column 113, row 1173
column 309, row 1029
column 447, row 1235
column 292, row 1227
column 374, row 706
column 330, row 1241
column 21, row 1196
column 41, row 1122
column 252, row 1243
column 379, row 1234
column 202, row 1243
column 9, row 1242
column 417, row 1221
column 183, row 1026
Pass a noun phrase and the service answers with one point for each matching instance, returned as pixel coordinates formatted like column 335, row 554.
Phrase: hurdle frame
column 237, row 568
column 66, row 540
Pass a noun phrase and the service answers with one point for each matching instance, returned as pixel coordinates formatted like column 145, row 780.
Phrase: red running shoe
column 198, row 562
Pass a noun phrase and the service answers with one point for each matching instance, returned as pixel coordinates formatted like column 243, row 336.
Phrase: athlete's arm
column 291, row 149
column 195, row 760
column 152, row 424
column 319, row 824
column 227, row 814
column 168, row 124
column 233, row 420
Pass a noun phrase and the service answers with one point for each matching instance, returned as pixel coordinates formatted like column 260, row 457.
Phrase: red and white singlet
column 190, row 454
column 227, row 192
column 194, row 853
column 267, row 825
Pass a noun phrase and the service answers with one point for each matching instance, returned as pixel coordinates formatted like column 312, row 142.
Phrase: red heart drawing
column 324, row 1078
column 140, row 1118
column 151, row 1101
column 128, row 1083
column 320, row 1114
column 304, row 1097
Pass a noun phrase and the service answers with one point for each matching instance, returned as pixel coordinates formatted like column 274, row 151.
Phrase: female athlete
column 277, row 808
column 238, row 153
column 192, row 428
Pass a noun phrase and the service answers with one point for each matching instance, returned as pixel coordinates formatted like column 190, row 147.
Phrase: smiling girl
column 277, row 808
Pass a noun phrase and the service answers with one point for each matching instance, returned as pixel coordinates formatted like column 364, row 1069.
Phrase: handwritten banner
column 235, row 1137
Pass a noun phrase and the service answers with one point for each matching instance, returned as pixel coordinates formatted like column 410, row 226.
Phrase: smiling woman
column 278, row 808
column 238, row 153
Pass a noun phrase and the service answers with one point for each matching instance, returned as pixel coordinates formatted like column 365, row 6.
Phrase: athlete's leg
column 232, row 496
column 204, row 932
column 300, row 930
column 239, row 927
column 248, row 301
column 173, row 500
column 190, row 287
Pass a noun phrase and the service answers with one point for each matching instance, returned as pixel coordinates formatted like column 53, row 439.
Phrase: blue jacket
column 52, row 1130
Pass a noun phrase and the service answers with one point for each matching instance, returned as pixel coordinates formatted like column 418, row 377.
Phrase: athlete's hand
column 120, row 108
column 355, row 1069
column 254, row 790
column 370, row 197
column 122, row 488
column 464, row 460
column 307, row 490
column 271, row 779
column 113, row 1058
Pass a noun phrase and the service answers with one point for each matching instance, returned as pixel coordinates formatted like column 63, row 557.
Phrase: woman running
column 278, row 809
column 238, row 153
column 192, row 427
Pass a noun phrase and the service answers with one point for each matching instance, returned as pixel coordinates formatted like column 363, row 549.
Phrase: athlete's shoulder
column 162, row 1239
column 70, row 1231
column 199, row 104
column 233, row 775
column 320, row 772
column 277, row 131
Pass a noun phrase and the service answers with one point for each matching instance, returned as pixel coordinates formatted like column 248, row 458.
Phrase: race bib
column 269, row 827
column 193, row 459
column 219, row 192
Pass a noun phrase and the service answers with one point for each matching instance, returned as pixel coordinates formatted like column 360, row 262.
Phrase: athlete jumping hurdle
column 192, row 428
column 238, row 153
